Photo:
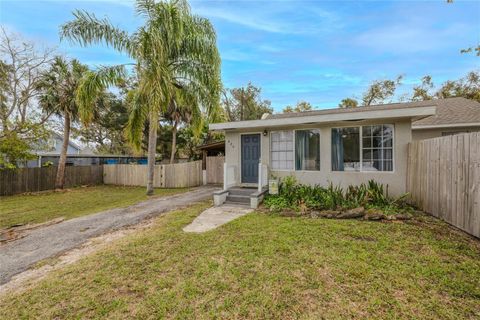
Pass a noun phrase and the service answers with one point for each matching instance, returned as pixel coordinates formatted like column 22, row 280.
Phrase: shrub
column 300, row 197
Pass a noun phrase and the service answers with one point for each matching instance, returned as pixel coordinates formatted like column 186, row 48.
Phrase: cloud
column 247, row 20
column 408, row 38
column 272, row 17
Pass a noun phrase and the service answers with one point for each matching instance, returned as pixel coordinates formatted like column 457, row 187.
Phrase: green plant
column 301, row 197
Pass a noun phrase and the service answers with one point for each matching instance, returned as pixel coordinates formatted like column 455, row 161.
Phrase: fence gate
column 215, row 169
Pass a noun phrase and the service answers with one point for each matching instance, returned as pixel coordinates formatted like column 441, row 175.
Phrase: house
column 48, row 152
column 340, row 146
column 454, row 115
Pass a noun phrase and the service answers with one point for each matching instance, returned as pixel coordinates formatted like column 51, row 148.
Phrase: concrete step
column 238, row 199
column 241, row 191
column 236, row 204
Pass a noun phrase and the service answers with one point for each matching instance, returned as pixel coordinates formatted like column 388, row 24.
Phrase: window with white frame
column 281, row 150
column 307, row 150
column 365, row 148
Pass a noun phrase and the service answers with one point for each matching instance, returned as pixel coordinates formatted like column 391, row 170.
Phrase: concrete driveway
column 17, row 256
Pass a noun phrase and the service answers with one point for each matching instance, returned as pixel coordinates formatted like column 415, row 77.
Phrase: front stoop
column 245, row 197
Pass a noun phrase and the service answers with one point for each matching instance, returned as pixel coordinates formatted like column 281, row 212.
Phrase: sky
column 315, row 51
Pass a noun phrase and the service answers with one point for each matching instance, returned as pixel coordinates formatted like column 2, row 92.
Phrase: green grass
column 71, row 203
column 267, row 267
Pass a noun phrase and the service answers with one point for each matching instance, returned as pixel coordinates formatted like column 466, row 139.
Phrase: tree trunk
column 152, row 147
column 60, row 179
column 174, row 142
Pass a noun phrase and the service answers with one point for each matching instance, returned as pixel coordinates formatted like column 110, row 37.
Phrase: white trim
column 295, row 150
column 270, row 150
column 408, row 112
column 439, row 126
column 361, row 148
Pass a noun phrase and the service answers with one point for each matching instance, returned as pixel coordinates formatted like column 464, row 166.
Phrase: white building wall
column 396, row 180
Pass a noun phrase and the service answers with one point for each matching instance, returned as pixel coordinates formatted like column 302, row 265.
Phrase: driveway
column 17, row 256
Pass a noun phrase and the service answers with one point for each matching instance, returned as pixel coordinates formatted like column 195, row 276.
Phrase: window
column 307, row 150
column 346, row 149
column 366, row 148
column 281, row 150
column 377, row 148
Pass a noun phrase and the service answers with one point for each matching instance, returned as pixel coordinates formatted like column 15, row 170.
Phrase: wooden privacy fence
column 444, row 179
column 179, row 175
column 215, row 169
column 40, row 179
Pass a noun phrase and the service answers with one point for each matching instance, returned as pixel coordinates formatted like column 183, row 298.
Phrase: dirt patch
column 20, row 231
column 25, row 280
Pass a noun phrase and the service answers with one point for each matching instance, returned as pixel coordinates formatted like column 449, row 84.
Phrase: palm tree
column 174, row 49
column 58, row 88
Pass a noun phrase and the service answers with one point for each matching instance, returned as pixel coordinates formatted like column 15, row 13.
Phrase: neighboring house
column 454, row 115
column 49, row 153
column 54, row 145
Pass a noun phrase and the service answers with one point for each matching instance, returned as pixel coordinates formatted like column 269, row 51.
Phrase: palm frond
column 139, row 112
column 93, row 84
column 87, row 29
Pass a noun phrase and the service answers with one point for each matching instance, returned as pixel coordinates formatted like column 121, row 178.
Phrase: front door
column 250, row 157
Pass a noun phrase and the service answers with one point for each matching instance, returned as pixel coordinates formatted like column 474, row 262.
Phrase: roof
column 452, row 112
column 70, row 142
column 413, row 111
column 76, row 155
column 213, row 145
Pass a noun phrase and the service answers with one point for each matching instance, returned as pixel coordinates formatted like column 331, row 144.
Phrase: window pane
column 367, row 142
column 281, row 150
column 367, row 131
column 307, row 150
column 367, row 154
column 346, row 149
column 387, row 154
column 376, row 131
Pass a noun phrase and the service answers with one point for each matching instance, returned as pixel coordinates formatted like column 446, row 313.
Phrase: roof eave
column 409, row 112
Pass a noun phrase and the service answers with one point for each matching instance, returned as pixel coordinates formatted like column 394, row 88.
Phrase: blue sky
column 318, row 51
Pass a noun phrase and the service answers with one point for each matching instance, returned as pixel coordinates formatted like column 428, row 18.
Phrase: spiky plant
column 174, row 50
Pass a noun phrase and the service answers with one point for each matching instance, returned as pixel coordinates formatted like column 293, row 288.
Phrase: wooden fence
column 179, row 175
column 215, row 169
column 444, row 179
column 40, row 179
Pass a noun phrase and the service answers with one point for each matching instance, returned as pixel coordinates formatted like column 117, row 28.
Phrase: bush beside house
column 369, row 201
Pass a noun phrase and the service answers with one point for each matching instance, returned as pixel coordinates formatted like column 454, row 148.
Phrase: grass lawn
column 263, row 266
column 71, row 203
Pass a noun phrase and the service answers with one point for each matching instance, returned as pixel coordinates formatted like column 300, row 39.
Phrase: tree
column 173, row 49
column 301, row 106
column 475, row 50
column 348, row 103
column 245, row 103
column 58, row 87
column 423, row 91
column 380, row 90
column 21, row 121
column 13, row 149
column 180, row 111
column 466, row 87
column 106, row 130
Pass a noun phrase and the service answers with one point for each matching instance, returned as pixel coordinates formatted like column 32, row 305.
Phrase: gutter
column 409, row 112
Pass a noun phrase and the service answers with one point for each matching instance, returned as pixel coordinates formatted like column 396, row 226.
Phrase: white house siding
column 396, row 180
